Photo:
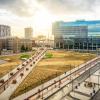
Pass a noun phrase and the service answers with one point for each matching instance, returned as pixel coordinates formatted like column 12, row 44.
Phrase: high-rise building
column 28, row 33
column 5, row 31
column 79, row 34
column 60, row 29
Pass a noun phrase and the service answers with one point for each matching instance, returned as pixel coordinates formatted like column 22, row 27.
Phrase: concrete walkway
column 51, row 88
column 83, row 93
column 2, row 62
column 11, row 87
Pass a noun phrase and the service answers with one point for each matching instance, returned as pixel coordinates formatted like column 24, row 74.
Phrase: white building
column 28, row 33
column 5, row 31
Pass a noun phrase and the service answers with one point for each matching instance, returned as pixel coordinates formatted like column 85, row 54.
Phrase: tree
column 26, row 49
column 23, row 48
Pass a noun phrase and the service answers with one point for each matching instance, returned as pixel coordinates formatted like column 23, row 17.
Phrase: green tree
column 23, row 48
column 48, row 55
column 26, row 49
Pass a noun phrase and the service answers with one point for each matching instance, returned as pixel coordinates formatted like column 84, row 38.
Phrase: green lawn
column 12, row 62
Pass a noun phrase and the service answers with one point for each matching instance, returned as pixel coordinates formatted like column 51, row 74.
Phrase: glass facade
column 79, row 34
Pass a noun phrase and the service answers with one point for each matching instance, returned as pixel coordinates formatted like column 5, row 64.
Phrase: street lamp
column 70, row 72
column 98, row 79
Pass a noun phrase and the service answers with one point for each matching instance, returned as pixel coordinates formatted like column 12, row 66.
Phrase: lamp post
column 70, row 72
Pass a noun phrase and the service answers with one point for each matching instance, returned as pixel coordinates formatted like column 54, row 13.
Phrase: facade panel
column 77, row 35
column 5, row 31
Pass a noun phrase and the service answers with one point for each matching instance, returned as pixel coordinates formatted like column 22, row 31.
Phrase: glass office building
column 80, row 34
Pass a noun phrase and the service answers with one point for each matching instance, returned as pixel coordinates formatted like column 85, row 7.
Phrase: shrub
column 27, row 69
column 14, row 81
column 2, row 81
column 31, row 65
column 11, row 74
column 48, row 55
column 33, row 62
column 21, row 74
column 23, row 64
column 24, row 56
column 18, row 68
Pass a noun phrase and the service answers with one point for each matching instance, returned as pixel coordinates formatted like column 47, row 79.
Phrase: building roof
column 79, row 23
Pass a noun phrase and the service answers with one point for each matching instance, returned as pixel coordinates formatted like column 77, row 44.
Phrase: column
column 63, row 46
column 59, row 44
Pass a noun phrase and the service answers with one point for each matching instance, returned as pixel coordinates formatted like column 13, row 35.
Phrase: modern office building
column 28, row 33
column 5, row 31
column 77, row 35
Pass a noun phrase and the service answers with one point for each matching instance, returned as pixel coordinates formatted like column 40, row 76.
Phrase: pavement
column 12, row 87
column 97, row 96
column 51, row 88
column 84, row 93
column 2, row 62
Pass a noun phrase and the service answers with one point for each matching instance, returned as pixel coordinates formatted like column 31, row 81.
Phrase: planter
column 11, row 74
column 18, row 68
column 14, row 81
column 27, row 69
column 33, row 62
column 31, row 65
column 26, row 61
column 21, row 74
column 30, row 59
column 23, row 64
column 2, row 81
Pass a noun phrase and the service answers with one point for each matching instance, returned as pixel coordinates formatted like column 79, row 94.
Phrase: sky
column 40, row 14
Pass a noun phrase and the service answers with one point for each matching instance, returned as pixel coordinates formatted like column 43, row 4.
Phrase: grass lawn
column 25, row 56
column 12, row 62
column 50, row 67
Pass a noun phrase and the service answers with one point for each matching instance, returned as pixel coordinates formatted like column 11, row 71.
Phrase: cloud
column 70, row 6
column 18, row 7
column 57, row 7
